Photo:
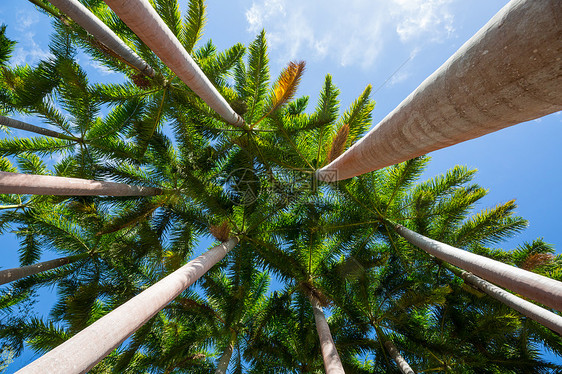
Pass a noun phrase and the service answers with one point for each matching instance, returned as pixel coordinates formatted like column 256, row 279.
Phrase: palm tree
column 542, row 316
column 332, row 361
column 17, row 183
column 542, row 289
column 10, row 122
column 437, row 207
column 112, row 329
column 10, row 275
column 370, row 289
column 257, row 181
column 143, row 19
column 303, row 264
column 103, row 34
column 397, row 357
column 470, row 84
column 381, row 206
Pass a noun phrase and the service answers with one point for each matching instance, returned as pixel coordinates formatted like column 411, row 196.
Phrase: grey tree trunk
column 16, row 183
column 536, row 287
column 544, row 317
column 85, row 349
column 9, row 122
column 89, row 22
column 10, row 275
column 142, row 18
column 397, row 357
column 393, row 351
column 16, row 206
column 225, row 359
column 507, row 73
column 332, row 362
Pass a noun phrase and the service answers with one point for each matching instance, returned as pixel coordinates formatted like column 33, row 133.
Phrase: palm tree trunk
column 504, row 75
column 225, row 359
column 89, row 22
column 544, row 317
column 542, row 289
column 10, row 275
column 142, row 18
column 9, row 122
column 85, row 349
column 16, row 206
column 332, row 362
column 393, row 351
column 16, row 183
column 397, row 357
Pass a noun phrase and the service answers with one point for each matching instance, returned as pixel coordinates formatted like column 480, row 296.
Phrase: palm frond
column 284, row 88
column 194, row 23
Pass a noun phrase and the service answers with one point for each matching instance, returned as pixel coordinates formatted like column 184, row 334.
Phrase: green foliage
column 194, row 21
column 254, row 86
column 300, row 240
column 6, row 46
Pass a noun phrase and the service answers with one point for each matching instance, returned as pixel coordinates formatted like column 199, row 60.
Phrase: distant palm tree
column 10, row 275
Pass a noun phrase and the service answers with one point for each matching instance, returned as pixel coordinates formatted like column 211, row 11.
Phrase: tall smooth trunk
column 85, row 349
column 397, row 357
column 507, row 73
column 13, row 123
column 10, row 275
column 545, row 290
column 225, row 359
column 332, row 361
column 393, row 352
column 16, row 183
column 142, row 18
column 89, row 22
column 544, row 317
column 15, row 206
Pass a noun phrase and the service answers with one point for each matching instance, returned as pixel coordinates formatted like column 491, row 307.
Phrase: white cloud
column 259, row 13
column 353, row 33
column 103, row 70
column 24, row 20
column 27, row 50
column 427, row 18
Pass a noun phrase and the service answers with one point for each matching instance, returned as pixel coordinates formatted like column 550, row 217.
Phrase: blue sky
column 364, row 42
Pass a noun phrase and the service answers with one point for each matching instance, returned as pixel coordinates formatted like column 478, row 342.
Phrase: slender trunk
column 225, row 359
column 393, row 351
column 89, row 22
column 52, row 11
column 16, row 183
column 397, row 357
column 142, row 18
column 10, row 275
column 17, row 206
column 544, row 317
column 332, row 362
column 9, row 122
column 85, row 349
column 507, row 73
column 545, row 290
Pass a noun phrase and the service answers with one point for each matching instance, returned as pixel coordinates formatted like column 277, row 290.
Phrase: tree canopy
column 300, row 239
